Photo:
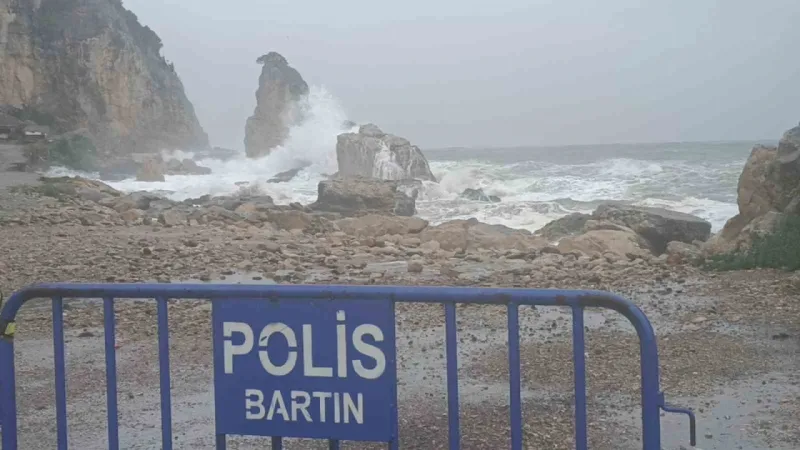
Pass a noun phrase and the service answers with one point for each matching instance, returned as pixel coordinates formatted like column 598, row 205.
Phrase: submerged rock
column 280, row 92
column 373, row 153
column 284, row 177
column 479, row 196
column 186, row 166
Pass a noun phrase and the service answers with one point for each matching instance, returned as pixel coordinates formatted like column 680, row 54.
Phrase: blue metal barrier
column 236, row 309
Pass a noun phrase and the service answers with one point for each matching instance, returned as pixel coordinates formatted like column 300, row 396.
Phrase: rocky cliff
column 373, row 153
column 769, row 188
column 90, row 64
column 279, row 97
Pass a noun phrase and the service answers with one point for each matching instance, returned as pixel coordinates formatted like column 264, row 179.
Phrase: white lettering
column 347, row 408
column 291, row 339
column 341, row 345
column 302, row 407
column 308, row 357
column 277, row 402
column 369, row 350
column 230, row 350
column 257, row 403
column 350, row 407
column 322, row 396
column 336, row 413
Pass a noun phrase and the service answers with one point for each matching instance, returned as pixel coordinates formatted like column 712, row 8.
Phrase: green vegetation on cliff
column 75, row 152
column 778, row 250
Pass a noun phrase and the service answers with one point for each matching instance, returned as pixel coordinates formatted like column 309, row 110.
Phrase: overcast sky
column 504, row 72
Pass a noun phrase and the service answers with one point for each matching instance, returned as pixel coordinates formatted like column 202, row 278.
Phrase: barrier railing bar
column 651, row 397
column 451, row 342
column 60, row 372
column 515, row 400
column 111, row 373
column 277, row 443
column 579, row 359
column 222, row 443
column 163, row 363
column 8, row 391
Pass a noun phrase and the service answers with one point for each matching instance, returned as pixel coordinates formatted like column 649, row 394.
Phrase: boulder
column 279, row 98
column 358, row 196
column 463, row 235
column 373, row 225
column 622, row 244
column 291, row 220
column 172, row 218
column 658, row 226
column 682, row 253
column 186, row 166
column 569, row 225
column 152, row 169
column 134, row 200
column 373, row 153
column 479, row 196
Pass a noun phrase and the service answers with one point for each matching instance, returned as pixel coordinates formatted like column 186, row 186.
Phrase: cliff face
column 769, row 190
column 280, row 92
column 89, row 64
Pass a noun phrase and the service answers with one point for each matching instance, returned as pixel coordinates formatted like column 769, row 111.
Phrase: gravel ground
column 728, row 344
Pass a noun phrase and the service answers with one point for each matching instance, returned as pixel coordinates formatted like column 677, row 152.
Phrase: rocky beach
column 728, row 341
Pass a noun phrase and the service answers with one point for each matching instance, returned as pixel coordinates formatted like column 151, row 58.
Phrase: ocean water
column 536, row 184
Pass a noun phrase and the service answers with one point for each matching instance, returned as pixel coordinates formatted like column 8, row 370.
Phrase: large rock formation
column 655, row 227
column 356, row 196
column 769, row 188
column 373, row 153
column 72, row 64
column 279, row 97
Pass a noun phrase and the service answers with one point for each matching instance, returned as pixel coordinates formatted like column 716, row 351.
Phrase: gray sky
column 504, row 72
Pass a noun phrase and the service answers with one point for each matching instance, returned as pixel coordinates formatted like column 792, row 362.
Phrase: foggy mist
column 513, row 72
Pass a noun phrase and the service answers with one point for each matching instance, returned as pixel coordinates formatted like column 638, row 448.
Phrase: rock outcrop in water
column 71, row 64
column 279, row 97
column 373, row 153
column 479, row 196
column 769, row 189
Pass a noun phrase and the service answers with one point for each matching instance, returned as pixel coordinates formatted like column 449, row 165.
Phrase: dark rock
column 479, row 196
column 358, row 196
column 286, row 176
column 658, row 226
column 186, row 166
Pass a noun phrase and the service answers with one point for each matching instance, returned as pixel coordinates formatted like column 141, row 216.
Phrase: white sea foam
column 534, row 190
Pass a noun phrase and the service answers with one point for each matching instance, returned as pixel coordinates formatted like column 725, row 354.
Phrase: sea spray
column 536, row 185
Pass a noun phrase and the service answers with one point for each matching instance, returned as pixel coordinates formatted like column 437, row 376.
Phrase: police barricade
column 354, row 396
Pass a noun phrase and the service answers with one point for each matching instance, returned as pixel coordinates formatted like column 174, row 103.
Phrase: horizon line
column 516, row 147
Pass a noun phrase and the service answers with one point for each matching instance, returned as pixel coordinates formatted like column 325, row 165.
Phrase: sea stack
column 372, row 153
column 281, row 92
